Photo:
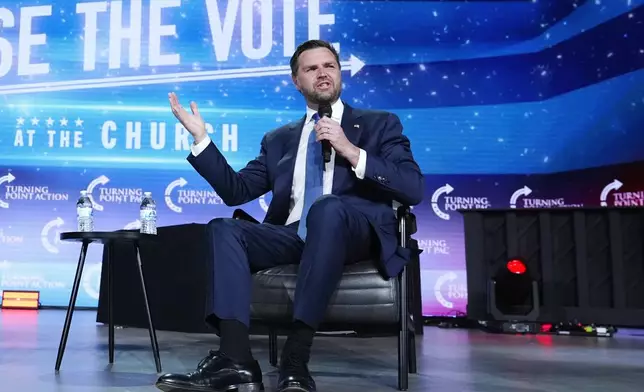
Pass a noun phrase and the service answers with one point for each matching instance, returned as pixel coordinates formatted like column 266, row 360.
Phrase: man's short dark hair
column 308, row 45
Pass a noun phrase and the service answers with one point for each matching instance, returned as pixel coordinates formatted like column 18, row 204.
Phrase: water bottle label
column 84, row 212
column 148, row 214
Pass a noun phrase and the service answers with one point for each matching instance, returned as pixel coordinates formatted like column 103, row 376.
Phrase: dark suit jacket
column 391, row 174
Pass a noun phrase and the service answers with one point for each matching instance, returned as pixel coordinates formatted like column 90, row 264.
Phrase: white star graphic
column 79, row 122
column 63, row 122
column 34, row 121
column 20, row 121
column 50, row 122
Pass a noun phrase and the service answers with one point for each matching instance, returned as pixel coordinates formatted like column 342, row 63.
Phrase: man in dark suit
column 323, row 215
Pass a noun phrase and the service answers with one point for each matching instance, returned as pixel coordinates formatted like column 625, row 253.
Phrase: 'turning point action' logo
column 53, row 226
column 188, row 196
column 6, row 179
column 27, row 192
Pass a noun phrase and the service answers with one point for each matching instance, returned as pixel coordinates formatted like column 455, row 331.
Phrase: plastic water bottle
column 85, row 213
column 148, row 214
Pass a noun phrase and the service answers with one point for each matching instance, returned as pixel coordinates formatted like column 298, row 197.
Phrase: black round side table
column 108, row 239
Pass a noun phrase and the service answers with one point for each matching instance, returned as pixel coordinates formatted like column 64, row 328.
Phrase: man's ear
column 295, row 82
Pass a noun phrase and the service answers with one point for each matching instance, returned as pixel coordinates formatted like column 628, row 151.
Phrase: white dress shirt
column 297, row 189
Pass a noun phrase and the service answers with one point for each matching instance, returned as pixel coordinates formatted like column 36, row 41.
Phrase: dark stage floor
column 450, row 360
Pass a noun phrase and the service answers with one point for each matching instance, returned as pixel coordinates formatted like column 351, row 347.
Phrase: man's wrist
column 198, row 147
column 199, row 138
column 353, row 155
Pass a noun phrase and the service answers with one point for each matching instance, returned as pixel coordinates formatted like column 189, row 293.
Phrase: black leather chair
column 364, row 302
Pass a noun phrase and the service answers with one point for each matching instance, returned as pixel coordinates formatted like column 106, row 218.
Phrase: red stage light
column 516, row 266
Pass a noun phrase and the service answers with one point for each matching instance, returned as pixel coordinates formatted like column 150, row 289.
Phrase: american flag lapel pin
column 356, row 125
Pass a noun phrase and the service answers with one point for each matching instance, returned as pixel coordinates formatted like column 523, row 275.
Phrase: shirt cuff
column 362, row 164
column 198, row 148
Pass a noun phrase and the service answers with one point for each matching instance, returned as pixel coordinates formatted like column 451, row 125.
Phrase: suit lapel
column 292, row 144
column 352, row 124
column 290, row 149
column 286, row 169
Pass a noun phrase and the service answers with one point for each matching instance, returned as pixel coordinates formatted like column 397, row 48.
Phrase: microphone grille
column 325, row 110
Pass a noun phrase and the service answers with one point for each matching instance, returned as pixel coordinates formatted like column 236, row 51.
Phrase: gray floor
column 450, row 360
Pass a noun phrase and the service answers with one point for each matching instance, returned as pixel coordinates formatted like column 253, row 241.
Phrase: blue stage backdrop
column 493, row 95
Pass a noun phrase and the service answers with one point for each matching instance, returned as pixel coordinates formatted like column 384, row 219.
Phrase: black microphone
column 325, row 110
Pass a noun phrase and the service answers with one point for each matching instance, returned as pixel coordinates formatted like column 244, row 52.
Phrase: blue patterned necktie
column 313, row 186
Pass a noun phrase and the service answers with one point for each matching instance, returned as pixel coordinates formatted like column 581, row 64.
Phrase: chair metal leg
column 412, row 353
column 153, row 334
column 272, row 346
column 403, row 338
column 72, row 304
column 110, row 299
column 414, row 314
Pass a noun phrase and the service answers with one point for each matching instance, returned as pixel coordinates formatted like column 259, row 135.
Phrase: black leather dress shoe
column 294, row 376
column 296, row 383
column 215, row 373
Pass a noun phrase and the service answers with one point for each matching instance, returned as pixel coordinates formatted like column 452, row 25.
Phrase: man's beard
column 323, row 97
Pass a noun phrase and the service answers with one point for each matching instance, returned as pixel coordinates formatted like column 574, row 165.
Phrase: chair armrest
column 243, row 215
column 406, row 223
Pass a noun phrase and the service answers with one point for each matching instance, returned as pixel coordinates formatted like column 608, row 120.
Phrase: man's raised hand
column 192, row 122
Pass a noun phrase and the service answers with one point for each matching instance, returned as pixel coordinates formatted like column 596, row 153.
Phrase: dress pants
column 337, row 234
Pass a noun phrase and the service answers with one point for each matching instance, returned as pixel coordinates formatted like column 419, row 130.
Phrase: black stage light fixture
column 513, row 292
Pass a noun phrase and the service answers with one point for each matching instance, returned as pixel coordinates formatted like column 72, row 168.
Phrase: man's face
column 318, row 76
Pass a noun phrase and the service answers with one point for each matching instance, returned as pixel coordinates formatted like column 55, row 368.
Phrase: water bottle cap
column 83, row 192
column 147, row 193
